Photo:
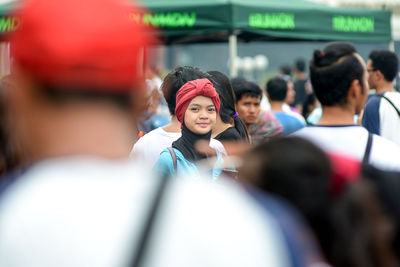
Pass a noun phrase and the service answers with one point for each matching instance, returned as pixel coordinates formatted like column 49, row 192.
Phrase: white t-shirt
column 85, row 212
column 381, row 118
column 148, row 148
column 352, row 141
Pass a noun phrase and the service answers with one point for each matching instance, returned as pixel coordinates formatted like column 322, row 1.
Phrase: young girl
column 197, row 106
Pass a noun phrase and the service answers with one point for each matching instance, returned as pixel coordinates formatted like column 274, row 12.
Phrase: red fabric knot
column 192, row 89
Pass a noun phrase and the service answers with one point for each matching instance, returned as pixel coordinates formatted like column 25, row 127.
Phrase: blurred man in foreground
column 83, row 203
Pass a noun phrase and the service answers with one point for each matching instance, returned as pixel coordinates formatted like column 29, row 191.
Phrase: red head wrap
column 192, row 89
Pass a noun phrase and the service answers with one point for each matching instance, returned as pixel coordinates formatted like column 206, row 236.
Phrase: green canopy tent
column 183, row 21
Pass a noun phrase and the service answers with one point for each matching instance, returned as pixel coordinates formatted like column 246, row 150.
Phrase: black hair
column 345, row 224
column 277, row 89
column 310, row 100
column 386, row 62
column 387, row 185
column 298, row 171
column 176, row 79
column 293, row 168
column 227, row 110
column 242, row 87
column 333, row 70
column 300, row 65
column 286, row 70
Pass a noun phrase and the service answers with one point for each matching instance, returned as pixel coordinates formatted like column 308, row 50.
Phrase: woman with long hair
column 229, row 126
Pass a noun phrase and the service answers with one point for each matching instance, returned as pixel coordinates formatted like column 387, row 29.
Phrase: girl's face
column 201, row 115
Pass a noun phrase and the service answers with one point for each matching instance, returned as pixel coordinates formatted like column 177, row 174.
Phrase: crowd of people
column 104, row 164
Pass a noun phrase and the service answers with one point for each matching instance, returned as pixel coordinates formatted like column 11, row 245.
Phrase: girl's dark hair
column 310, row 100
column 227, row 97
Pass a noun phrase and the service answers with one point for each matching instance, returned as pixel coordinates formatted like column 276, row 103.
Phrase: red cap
column 80, row 43
column 192, row 89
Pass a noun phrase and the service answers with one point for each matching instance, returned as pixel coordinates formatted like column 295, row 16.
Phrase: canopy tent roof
column 183, row 21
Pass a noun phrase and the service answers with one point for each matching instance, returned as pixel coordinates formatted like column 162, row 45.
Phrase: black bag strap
column 391, row 103
column 367, row 152
column 173, row 155
column 148, row 225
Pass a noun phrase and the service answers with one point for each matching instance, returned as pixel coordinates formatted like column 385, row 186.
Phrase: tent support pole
column 391, row 46
column 233, row 72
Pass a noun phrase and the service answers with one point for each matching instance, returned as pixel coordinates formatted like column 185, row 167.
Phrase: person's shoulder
column 373, row 101
column 297, row 116
column 392, row 94
column 385, row 153
column 230, row 134
column 148, row 137
column 157, row 137
column 386, row 143
column 165, row 156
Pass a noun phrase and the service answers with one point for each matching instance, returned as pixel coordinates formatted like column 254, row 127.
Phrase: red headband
column 192, row 89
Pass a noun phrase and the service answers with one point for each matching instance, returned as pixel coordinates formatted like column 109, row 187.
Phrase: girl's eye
column 211, row 110
column 194, row 109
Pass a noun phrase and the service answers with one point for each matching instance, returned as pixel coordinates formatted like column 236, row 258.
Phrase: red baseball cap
column 81, row 43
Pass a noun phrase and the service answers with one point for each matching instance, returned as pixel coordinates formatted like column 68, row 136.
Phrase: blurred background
column 258, row 53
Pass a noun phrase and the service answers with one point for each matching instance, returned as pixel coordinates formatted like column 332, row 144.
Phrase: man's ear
column 355, row 90
column 379, row 75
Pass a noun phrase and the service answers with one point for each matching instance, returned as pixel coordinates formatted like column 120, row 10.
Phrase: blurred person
column 387, row 186
column 82, row 202
column 277, row 91
column 299, row 172
column 151, row 119
column 339, row 78
column 13, row 160
column 157, row 114
column 285, row 70
column 260, row 124
column 229, row 126
column 152, row 74
column 197, row 106
column 285, row 73
column 382, row 111
column 310, row 109
column 148, row 148
column 347, row 223
column 295, row 169
column 301, row 84
column 364, row 227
